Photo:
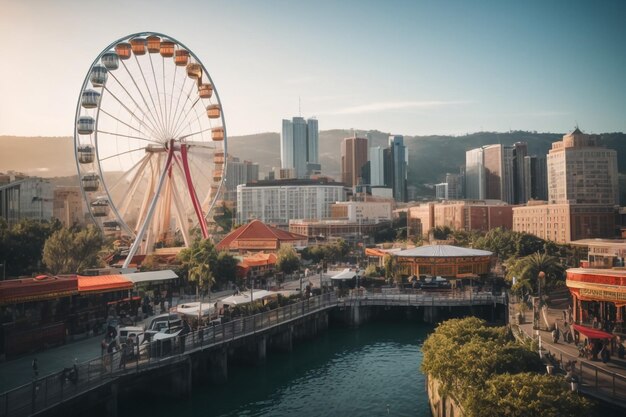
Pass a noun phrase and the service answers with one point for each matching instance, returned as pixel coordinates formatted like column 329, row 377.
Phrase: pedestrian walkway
column 19, row 371
column 615, row 364
column 605, row 381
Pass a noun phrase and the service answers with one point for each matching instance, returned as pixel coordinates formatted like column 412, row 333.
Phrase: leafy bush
column 482, row 366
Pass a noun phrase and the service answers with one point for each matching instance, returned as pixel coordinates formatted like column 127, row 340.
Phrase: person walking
column 35, row 366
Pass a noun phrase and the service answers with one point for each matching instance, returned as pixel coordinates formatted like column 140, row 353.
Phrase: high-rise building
column 455, row 186
column 353, row 157
column 299, row 145
column 441, row 191
column 399, row 165
column 377, row 166
column 520, row 151
column 582, row 192
column 535, row 178
column 494, row 172
column 475, row 174
column 580, row 171
column 239, row 172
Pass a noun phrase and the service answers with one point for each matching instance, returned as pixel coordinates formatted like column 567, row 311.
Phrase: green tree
column 441, row 232
column 527, row 269
column 225, row 218
column 527, row 395
column 21, row 246
column 391, row 268
column 287, row 260
column 371, row 271
column 489, row 374
column 225, row 268
column 198, row 263
column 502, row 242
column 71, row 251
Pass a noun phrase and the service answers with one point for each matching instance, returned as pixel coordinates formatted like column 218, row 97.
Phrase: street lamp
column 540, row 277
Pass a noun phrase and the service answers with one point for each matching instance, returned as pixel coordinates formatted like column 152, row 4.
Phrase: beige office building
column 582, row 193
column 580, row 171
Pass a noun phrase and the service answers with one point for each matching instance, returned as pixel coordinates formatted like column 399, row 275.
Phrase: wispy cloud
column 398, row 105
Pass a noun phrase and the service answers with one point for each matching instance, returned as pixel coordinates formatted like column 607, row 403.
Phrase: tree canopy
column 287, row 260
column 21, row 246
column 71, row 251
column 527, row 395
column 477, row 365
column 526, row 271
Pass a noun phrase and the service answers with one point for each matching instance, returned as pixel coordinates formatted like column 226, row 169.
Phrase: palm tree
column 198, row 259
column 528, row 269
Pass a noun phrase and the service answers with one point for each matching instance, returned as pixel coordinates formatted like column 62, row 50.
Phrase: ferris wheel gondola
column 150, row 142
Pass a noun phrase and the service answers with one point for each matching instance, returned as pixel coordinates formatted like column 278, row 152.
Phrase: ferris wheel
column 150, row 142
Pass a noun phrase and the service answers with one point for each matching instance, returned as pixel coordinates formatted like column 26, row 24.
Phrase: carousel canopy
column 442, row 251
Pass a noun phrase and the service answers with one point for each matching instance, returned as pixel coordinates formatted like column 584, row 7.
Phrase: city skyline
column 403, row 67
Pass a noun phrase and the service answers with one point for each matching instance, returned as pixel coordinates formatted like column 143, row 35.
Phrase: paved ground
column 603, row 380
column 18, row 371
column 615, row 365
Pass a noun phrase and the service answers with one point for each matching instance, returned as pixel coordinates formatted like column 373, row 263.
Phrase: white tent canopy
column 152, row 276
column 244, row 297
column 346, row 274
column 193, row 309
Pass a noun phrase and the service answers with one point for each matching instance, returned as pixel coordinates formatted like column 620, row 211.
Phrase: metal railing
column 421, row 298
column 48, row 391
column 591, row 379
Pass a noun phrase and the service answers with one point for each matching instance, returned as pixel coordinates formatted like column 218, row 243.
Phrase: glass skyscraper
column 299, row 145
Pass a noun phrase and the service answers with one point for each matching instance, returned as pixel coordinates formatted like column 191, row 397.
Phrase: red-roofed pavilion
column 258, row 236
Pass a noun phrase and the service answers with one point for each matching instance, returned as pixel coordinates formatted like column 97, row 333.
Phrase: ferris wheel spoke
column 156, row 85
column 178, row 208
column 169, row 126
column 123, row 153
column 132, row 114
column 201, row 172
column 176, row 114
column 134, row 182
column 128, row 136
column 147, row 107
column 121, row 121
column 182, row 110
column 132, row 169
column 195, row 133
column 154, row 128
column 164, row 90
column 148, row 218
column 189, row 111
column 143, row 76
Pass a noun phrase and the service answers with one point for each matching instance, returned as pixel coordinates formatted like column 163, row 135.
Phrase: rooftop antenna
column 299, row 107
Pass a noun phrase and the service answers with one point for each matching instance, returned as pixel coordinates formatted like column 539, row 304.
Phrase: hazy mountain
column 430, row 157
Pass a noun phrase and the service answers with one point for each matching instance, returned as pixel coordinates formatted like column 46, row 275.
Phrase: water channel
column 372, row 370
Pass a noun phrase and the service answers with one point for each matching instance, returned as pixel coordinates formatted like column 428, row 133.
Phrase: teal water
column 372, row 370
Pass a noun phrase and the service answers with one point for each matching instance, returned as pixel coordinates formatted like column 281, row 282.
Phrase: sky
column 406, row 67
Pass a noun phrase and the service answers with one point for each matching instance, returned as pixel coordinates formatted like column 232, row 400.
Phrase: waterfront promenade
column 49, row 390
column 604, row 381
